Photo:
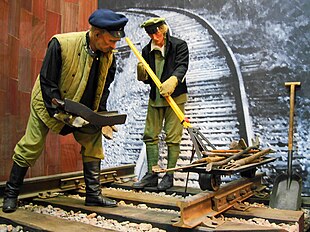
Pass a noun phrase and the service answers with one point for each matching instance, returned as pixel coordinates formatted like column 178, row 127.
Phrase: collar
column 88, row 48
column 161, row 49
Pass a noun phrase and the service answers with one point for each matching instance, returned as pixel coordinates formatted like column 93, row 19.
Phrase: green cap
column 151, row 25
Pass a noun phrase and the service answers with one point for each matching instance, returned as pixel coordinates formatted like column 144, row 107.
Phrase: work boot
column 166, row 182
column 94, row 196
column 149, row 180
column 12, row 188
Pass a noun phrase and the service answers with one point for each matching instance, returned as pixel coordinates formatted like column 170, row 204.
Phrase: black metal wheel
column 248, row 173
column 208, row 181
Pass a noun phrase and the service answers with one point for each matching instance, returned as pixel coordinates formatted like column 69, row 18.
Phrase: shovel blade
column 286, row 192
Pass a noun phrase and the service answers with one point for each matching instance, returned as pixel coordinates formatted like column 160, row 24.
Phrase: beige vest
column 76, row 65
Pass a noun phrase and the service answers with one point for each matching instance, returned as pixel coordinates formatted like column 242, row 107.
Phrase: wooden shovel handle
column 292, row 106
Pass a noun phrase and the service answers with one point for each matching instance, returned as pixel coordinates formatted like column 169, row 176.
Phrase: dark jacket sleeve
column 181, row 60
column 106, row 91
column 50, row 75
column 145, row 54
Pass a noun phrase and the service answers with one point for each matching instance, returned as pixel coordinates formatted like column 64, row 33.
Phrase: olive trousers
column 159, row 118
column 31, row 145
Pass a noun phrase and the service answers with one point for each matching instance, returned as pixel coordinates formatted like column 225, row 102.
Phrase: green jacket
column 76, row 65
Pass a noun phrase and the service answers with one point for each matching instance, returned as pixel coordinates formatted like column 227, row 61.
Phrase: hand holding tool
column 107, row 131
column 99, row 119
column 168, row 87
column 75, row 121
column 141, row 72
column 79, row 122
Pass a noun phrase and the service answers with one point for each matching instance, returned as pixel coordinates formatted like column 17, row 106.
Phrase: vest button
column 79, row 54
column 65, row 91
column 73, row 75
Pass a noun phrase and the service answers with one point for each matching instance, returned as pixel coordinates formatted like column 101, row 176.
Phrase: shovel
column 286, row 192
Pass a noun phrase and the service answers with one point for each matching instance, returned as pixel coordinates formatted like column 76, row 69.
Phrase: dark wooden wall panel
column 69, row 22
column 4, row 12
column 13, row 56
column 26, row 27
column 53, row 25
column 4, row 68
column 14, row 17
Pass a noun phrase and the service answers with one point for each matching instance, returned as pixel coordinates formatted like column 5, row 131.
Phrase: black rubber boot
column 94, row 196
column 166, row 182
column 12, row 188
column 149, row 180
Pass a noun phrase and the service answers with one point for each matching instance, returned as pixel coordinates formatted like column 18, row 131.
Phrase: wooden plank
column 43, row 222
column 158, row 219
column 165, row 202
column 234, row 227
column 272, row 215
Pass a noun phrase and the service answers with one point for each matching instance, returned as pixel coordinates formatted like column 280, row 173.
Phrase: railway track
column 143, row 211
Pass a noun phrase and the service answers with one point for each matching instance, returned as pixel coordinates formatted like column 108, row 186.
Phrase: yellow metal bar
column 157, row 82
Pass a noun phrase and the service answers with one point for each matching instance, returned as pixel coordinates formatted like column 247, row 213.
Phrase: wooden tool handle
column 292, row 106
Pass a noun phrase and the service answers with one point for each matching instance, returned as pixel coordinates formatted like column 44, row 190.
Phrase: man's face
column 105, row 42
column 158, row 38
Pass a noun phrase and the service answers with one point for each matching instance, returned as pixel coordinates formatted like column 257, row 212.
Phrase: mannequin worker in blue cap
column 168, row 57
column 79, row 66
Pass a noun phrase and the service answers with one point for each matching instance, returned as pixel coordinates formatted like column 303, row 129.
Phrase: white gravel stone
column 145, row 227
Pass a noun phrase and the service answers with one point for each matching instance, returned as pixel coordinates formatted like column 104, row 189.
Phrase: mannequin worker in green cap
column 168, row 57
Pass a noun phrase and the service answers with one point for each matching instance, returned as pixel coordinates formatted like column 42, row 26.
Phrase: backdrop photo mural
column 241, row 55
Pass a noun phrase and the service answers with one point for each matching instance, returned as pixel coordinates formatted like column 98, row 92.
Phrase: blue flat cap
column 109, row 20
